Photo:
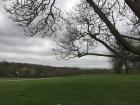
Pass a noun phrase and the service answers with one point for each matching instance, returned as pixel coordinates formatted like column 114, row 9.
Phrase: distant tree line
column 11, row 69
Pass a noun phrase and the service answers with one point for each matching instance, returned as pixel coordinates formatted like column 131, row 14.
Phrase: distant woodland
column 24, row 70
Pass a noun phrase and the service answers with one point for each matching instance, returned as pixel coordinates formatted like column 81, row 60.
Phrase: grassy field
column 75, row 90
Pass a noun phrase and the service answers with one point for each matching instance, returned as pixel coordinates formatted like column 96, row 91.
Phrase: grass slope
column 75, row 90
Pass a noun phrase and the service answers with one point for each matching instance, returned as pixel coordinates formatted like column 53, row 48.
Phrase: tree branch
column 129, row 37
column 113, row 30
column 96, row 54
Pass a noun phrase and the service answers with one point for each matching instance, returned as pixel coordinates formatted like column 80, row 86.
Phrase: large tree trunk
column 126, row 67
column 135, row 6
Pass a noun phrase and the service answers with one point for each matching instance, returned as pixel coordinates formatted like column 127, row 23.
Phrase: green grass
column 75, row 90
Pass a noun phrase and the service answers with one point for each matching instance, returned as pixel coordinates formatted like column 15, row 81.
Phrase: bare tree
column 92, row 23
column 87, row 30
column 35, row 16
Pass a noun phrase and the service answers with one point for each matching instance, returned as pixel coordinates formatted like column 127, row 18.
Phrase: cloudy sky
column 16, row 47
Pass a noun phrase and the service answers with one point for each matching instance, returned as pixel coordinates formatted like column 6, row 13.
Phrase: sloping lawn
column 75, row 90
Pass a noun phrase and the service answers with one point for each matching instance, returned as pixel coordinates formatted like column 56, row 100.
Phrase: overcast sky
column 16, row 47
